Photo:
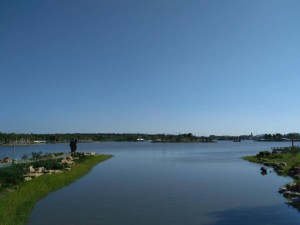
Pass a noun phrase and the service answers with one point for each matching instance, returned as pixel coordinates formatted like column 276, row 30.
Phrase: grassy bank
column 283, row 163
column 16, row 206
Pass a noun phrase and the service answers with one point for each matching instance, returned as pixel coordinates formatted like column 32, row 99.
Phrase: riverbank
column 285, row 162
column 18, row 197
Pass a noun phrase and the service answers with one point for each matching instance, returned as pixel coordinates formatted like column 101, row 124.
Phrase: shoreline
column 17, row 201
column 284, row 163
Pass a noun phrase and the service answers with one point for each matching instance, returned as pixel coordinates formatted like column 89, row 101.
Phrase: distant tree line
column 20, row 139
column 281, row 137
column 14, row 138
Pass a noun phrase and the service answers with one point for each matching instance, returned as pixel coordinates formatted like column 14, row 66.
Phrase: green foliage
column 53, row 164
column 12, row 138
column 37, row 155
column 25, row 157
column 12, row 175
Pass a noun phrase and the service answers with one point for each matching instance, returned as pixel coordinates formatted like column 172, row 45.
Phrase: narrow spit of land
column 22, row 185
column 285, row 162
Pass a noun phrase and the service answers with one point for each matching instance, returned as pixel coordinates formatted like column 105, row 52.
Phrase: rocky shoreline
column 284, row 163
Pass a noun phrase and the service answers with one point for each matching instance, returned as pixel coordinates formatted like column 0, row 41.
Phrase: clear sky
column 155, row 66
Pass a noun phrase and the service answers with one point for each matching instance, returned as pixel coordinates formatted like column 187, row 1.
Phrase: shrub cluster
column 14, row 174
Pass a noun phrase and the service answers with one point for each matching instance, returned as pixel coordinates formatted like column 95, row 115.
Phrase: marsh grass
column 16, row 206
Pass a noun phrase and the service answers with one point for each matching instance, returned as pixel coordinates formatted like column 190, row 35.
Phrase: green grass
column 16, row 206
column 292, row 159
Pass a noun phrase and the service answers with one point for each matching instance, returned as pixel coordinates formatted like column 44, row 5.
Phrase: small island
column 43, row 173
column 285, row 162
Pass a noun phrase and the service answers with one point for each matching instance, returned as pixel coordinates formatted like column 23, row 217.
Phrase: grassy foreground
column 16, row 206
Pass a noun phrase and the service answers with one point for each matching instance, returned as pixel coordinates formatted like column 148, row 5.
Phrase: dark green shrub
column 37, row 155
column 50, row 164
column 12, row 175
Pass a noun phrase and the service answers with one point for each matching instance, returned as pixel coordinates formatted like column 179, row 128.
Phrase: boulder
column 282, row 190
column 27, row 178
column 68, row 160
column 5, row 160
column 284, row 164
column 31, row 169
column 39, row 170
column 263, row 169
column 52, row 156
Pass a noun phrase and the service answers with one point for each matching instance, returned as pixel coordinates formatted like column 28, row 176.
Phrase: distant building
column 39, row 142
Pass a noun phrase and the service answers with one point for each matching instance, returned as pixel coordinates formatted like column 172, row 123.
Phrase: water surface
column 161, row 184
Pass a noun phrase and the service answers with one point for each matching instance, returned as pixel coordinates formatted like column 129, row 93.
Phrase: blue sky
column 159, row 66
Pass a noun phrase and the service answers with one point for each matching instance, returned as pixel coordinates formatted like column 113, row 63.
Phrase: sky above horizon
column 160, row 66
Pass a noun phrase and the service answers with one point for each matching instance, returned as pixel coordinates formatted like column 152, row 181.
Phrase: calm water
column 167, row 184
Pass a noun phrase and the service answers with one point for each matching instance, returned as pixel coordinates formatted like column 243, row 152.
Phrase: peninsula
column 44, row 175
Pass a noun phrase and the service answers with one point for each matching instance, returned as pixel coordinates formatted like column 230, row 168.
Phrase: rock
column 34, row 175
column 27, row 178
column 282, row 190
column 278, row 167
column 68, row 169
column 263, row 169
column 58, row 171
column 289, row 194
column 31, row 169
column 284, row 164
column 69, row 158
column 39, row 170
column 67, row 161
column 89, row 153
column 6, row 160
column 295, row 200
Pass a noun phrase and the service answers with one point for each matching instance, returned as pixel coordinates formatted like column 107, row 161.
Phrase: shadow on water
column 274, row 215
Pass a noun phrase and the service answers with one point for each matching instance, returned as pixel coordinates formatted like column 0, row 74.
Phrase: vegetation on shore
column 25, row 139
column 285, row 162
column 18, row 197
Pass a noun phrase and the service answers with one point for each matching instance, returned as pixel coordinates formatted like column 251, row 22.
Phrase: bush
column 37, row 155
column 263, row 154
column 50, row 164
column 12, row 175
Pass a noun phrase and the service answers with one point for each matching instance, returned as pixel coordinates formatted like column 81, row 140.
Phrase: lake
column 167, row 184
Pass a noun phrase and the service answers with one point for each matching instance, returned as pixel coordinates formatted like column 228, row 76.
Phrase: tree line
column 19, row 139
column 15, row 138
